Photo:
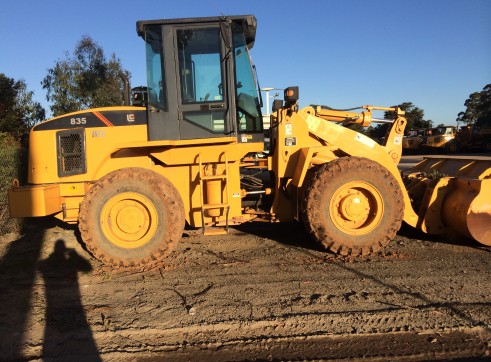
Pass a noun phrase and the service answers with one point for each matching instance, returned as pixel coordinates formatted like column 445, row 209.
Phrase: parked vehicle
column 132, row 177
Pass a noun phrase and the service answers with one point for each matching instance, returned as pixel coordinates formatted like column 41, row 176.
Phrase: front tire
column 353, row 206
column 131, row 218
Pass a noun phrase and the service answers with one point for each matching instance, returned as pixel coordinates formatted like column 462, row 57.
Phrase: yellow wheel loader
column 133, row 177
column 440, row 139
column 412, row 141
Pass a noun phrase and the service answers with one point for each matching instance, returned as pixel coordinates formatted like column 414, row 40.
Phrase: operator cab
column 139, row 96
column 200, row 79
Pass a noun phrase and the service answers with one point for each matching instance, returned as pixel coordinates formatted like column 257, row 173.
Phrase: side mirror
column 277, row 104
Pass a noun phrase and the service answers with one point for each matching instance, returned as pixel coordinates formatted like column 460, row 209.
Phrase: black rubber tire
column 159, row 195
column 337, row 175
column 421, row 150
column 453, row 146
column 486, row 145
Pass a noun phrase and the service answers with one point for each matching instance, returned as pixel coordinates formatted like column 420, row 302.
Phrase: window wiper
column 225, row 32
column 258, row 87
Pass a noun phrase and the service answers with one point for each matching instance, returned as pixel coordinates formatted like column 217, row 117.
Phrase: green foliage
column 13, row 159
column 18, row 111
column 414, row 116
column 84, row 80
column 9, row 151
column 356, row 127
column 478, row 106
column 435, row 175
column 13, row 164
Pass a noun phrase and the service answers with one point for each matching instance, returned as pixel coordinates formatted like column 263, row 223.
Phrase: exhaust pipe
column 126, row 90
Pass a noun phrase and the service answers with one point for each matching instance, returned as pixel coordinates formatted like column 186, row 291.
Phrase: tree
column 18, row 110
column 84, row 80
column 30, row 111
column 478, row 106
column 414, row 116
column 8, row 93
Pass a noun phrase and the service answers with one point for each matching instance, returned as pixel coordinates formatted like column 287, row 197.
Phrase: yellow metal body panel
column 102, row 154
column 114, row 148
column 182, row 169
column 178, row 143
column 290, row 142
column 188, row 154
column 39, row 200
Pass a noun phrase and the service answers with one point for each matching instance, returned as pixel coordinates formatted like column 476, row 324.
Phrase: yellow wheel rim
column 356, row 208
column 129, row 220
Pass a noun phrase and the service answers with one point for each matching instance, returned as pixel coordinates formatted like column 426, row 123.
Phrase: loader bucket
column 467, row 209
column 453, row 196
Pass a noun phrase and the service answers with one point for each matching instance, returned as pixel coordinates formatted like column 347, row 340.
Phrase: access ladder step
column 213, row 177
column 215, row 231
column 214, row 206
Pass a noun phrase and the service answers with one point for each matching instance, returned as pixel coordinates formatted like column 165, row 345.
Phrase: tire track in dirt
column 269, row 293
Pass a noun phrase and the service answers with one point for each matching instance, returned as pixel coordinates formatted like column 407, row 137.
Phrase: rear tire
column 453, row 146
column 131, row 218
column 353, row 206
column 486, row 145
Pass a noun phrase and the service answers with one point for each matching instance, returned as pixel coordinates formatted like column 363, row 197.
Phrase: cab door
column 201, row 69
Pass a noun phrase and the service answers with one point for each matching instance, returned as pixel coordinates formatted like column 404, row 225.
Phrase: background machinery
column 132, row 177
column 439, row 139
column 473, row 137
column 430, row 140
column 412, row 141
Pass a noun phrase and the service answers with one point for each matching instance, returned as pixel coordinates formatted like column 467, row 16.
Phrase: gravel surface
column 263, row 292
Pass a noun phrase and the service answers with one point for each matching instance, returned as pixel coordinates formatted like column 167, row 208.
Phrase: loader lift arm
column 393, row 139
column 309, row 139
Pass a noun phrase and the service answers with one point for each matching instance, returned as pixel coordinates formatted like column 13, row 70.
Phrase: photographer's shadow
column 67, row 333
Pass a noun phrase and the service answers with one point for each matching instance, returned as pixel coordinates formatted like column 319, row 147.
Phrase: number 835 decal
column 78, row 121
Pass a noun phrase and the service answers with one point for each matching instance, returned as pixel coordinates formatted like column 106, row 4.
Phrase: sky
column 341, row 53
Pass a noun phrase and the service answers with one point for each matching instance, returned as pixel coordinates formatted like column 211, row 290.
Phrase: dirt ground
column 263, row 292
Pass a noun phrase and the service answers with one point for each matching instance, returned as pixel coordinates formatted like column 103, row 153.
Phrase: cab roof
column 249, row 24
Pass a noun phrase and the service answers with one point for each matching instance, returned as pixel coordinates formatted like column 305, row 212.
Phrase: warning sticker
column 290, row 141
column 365, row 140
column 288, row 129
column 313, row 122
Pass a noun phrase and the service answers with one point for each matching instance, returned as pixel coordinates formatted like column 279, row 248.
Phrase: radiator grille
column 71, row 152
